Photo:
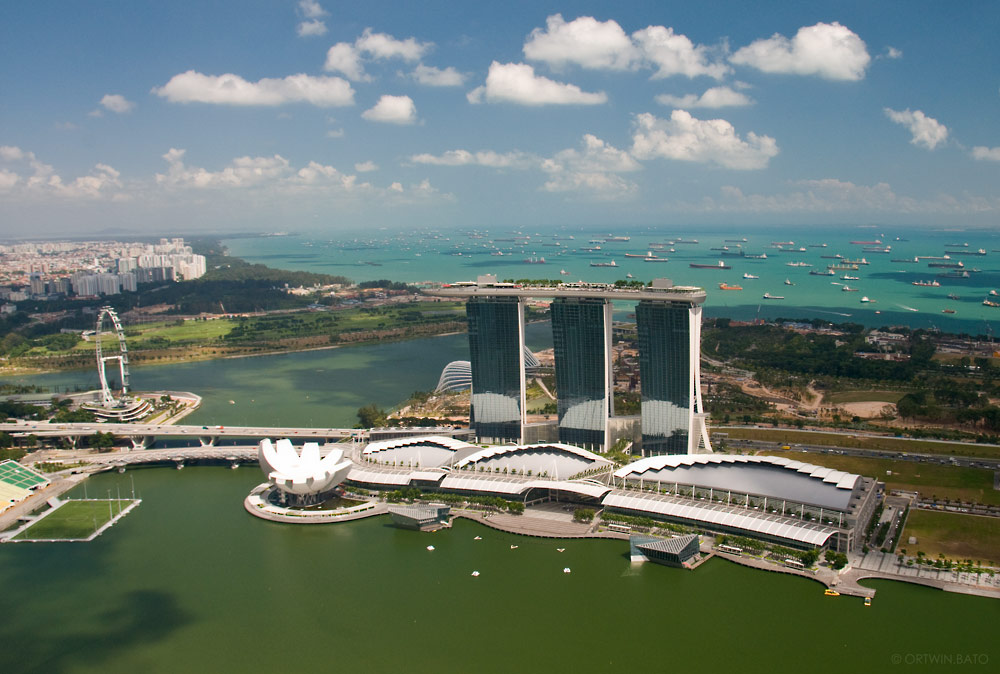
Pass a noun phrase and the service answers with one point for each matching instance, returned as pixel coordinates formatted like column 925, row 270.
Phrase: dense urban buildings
column 672, row 419
column 93, row 268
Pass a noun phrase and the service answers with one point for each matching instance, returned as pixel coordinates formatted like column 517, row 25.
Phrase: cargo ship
column 723, row 286
column 927, row 284
column 719, row 265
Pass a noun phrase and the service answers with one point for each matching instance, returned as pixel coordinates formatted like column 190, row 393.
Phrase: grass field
column 931, row 480
column 863, row 397
column 75, row 519
column 956, row 536
column 861, row 442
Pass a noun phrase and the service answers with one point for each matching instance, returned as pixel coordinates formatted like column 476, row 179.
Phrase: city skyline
column 317, row 115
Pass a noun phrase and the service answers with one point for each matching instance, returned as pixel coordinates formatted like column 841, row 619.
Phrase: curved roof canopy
column 771, row 476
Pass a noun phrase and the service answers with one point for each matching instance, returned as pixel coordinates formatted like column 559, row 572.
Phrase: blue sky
column 148, row 117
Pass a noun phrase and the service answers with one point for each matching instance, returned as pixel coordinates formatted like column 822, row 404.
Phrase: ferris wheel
column 107, row 399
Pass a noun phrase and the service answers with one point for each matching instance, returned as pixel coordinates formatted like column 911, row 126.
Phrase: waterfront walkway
column 886, row 566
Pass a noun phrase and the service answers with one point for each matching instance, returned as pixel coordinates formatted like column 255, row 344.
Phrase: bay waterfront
column 190, row 582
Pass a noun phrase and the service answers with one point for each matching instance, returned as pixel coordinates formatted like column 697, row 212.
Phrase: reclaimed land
column 885, row 444
column 955, row 483
column 957, row 536
column 179, row 340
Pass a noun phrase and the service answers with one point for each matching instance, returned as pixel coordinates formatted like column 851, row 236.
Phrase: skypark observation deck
column 668, row 318
column 662, row 290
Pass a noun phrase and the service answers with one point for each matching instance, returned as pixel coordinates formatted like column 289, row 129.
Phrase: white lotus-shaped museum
column 302, row 474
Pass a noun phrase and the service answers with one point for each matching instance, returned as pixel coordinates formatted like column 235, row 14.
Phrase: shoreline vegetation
column 237, row 309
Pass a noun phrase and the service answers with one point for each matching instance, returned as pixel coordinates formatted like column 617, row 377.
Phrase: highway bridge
column 145, row 435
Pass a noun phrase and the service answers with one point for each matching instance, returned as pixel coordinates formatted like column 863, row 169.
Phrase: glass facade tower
column 581, row 337
column 496, row 346
column 670, row 372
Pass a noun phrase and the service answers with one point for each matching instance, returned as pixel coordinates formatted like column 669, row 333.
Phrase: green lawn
column 955, row 535
column 931, row 480
column 75, row 519
column 860, row 442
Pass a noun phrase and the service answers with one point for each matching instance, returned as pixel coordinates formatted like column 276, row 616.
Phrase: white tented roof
column 436, row 440
column 749, row 521
column 360, row 474
column 500, row 450
column 771, row 476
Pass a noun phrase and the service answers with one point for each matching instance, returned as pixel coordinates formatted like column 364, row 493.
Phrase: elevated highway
column 144, row 435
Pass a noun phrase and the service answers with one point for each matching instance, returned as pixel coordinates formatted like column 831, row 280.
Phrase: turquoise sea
column 454, row 255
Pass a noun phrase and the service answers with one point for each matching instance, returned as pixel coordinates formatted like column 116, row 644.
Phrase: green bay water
column 322, row 388
column 189, row 582
column 446, row 256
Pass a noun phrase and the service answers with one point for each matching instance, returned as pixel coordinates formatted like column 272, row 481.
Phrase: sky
column 319, row 115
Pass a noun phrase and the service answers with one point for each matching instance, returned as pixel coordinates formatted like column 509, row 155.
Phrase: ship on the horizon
column 604, row 264
column 769, row 296
column 719, row 265
column 723, row 286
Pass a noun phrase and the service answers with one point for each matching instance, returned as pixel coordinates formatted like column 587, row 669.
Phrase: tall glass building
column 673, row 421
column 496, row 345
column 581, row 337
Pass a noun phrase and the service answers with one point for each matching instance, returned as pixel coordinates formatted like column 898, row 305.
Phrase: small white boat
column 865, row 299
column 475, row 573
column 513, row 547
column 749, row 276
column 560, row 549
column 430, row 547
column 564, row 272
column 788, row 283
column 478, row 538
column 566, row 570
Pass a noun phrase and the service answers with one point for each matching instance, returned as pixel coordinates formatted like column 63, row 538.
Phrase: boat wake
column 832, row 313
column 903, row 306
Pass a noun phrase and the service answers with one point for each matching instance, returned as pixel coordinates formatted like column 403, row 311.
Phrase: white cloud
column 675, row 54
column 829, row 50
column 8, row 179
column 482, row 158
column 435, row 77
column 349, row 59
column 712, row 141
column 715, row 97
column 392, row 110
column 585, row 41
column 117, row 103
column 927, row 131
column 592, row 171
column 229, row 89
column 383, row 46
column 831, row 195
column 893, row 53
column 518, row 83
column 242, row 172
column 11, row 153
column 344, row 58
column 312, row 28
column 43, row 181
column 335, row 133
column 311, row 9
column 604, row 45
column 987, row 153
column 366, row 167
